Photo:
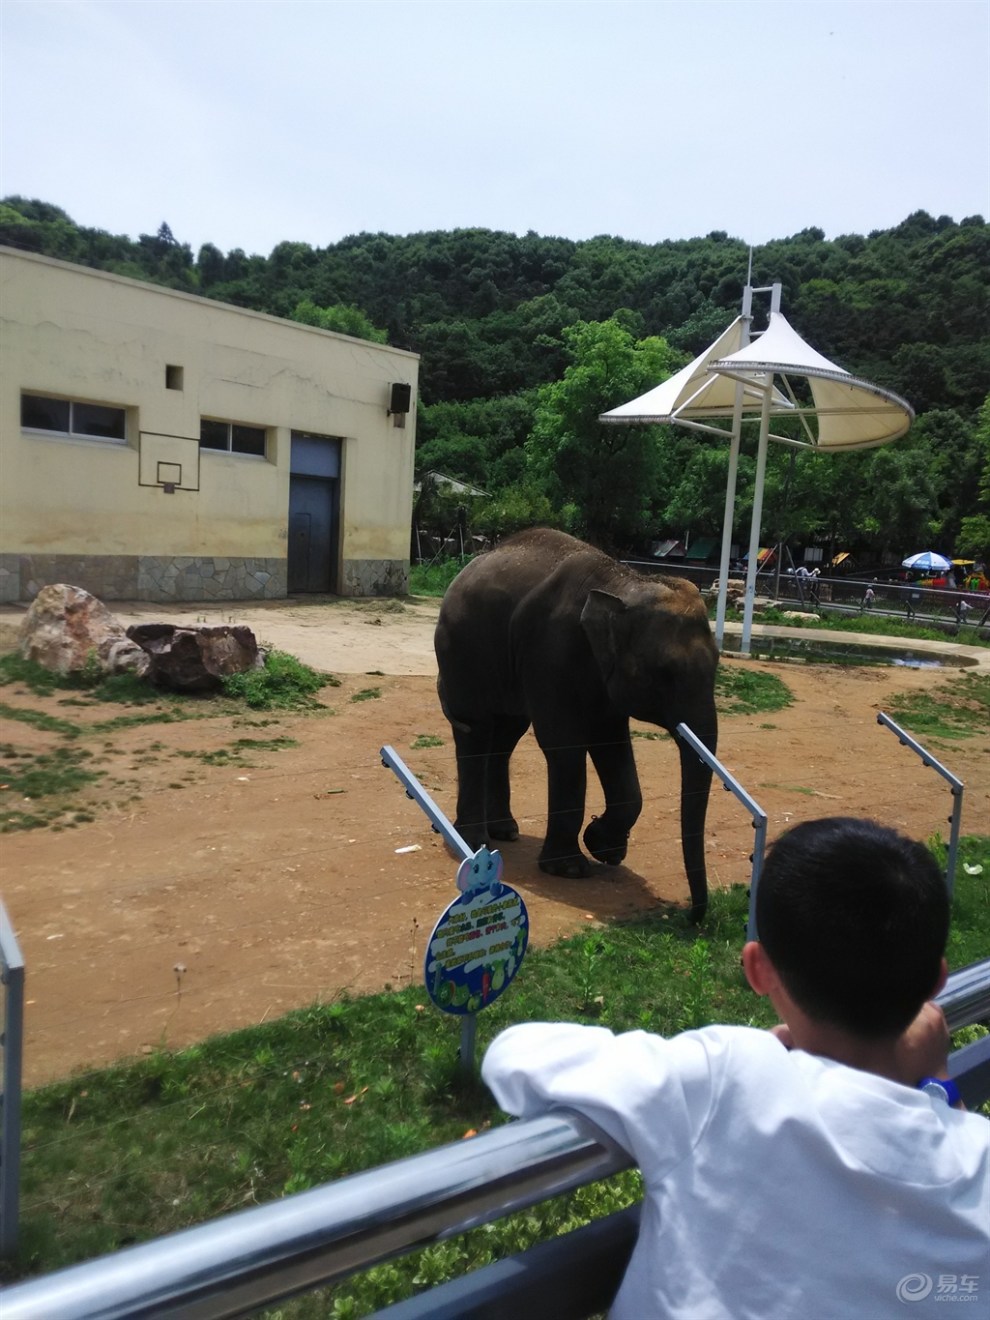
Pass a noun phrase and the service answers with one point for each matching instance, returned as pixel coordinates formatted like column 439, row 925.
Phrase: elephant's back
column 473, row 639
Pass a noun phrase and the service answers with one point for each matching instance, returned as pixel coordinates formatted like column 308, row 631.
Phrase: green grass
column 869, row 624
column 133, row 1151
column 426, row 740
column 740, row 690
column 38, row 789
column 949, row 712
column 367, row 694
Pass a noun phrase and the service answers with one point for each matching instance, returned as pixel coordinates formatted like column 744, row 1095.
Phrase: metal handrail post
column 414, row 789
column 955, row 783
column 12, row 977
column 757, row 815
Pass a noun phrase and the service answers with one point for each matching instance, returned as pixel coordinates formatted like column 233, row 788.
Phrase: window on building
column 173, row 377
column 72, row 418
column 232, row 437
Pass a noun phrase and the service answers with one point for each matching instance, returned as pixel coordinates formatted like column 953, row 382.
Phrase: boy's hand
column 783, row 1033
column 923, row 1049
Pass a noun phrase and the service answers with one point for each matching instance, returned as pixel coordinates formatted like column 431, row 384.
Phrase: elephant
column 549, row 631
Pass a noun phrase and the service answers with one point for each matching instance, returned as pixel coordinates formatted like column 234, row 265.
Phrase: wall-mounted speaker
column 400, row 398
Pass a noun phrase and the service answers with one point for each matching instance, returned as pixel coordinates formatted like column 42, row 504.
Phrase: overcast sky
column 244, row 124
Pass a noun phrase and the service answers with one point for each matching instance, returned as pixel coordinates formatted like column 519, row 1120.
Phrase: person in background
column 825, row 1167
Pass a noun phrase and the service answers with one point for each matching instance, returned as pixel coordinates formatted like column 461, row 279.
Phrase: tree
column 341, row 319
column 974, row 534
column 606, row 474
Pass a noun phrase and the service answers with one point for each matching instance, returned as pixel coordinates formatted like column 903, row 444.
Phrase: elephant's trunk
column 696, row 782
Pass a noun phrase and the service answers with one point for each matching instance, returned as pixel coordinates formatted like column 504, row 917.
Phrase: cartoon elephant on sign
column 548, row 631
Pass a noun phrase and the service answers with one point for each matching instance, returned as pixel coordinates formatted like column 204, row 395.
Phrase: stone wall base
column 184, row 577
column 144, row 577
column 375, row 577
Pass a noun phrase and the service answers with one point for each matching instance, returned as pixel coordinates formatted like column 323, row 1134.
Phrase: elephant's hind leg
column 506, row 732
column 471, row 743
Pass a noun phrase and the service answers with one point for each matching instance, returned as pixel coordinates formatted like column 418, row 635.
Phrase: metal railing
column 12, row 978
column 239, row 1264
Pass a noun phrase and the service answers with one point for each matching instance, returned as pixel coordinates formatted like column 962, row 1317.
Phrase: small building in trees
column 156, row 445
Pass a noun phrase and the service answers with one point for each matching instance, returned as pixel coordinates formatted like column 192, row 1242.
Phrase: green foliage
column 434, row 579
column 344, row 320
column 283, row 683
column 608, row 474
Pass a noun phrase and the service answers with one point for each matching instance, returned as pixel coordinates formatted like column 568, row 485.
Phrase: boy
column 798, row 1172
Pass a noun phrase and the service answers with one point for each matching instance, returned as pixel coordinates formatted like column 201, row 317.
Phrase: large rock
column 195, row 659
column 67, row 630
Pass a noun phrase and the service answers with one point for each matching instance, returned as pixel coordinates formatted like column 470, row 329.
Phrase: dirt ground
column 204, row 897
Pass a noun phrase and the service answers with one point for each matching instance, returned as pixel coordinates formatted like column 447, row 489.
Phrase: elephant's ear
column 600, row 621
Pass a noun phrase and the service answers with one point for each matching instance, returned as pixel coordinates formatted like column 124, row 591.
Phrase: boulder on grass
column 185, row 659
column 67, row 631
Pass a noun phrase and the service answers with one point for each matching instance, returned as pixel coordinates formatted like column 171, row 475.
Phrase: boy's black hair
column 854, row 917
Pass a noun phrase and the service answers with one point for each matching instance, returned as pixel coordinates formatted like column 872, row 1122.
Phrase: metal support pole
column 955, row 784
column 730, row 484
column 752, row 564
column 761, row 469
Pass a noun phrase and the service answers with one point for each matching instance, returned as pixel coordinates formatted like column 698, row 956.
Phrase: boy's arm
column 649, row 1095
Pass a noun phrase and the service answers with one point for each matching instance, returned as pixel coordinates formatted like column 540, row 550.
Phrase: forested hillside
column 525, row 340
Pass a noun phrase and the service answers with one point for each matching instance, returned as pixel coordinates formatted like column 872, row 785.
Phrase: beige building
column 155, row 445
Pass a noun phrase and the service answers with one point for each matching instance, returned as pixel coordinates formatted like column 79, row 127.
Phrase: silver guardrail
column 238, row 1264
column 956, row 786
column 12, row 978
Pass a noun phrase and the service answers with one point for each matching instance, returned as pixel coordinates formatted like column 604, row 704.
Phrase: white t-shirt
column 778, row 1184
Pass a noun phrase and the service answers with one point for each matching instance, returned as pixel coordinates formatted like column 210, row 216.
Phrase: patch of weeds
column 39, row 720
column 793, row 788
column 36, row 678
column 56, row 774
column 265, row 744
column 164, row 715
column 426, row 740
column 960, row 709
column 648, row 735
column 235, row 752
column 50, row 774
column 743, row 691
column 283, row 683
column 367, row 694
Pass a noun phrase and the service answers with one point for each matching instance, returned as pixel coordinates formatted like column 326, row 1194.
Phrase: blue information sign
column 476, row 948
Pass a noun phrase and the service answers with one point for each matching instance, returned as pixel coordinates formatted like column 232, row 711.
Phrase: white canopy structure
column 775, row 375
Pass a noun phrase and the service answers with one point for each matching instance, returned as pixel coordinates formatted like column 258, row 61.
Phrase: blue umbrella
column 928, row 562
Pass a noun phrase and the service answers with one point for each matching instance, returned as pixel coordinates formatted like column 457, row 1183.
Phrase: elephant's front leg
column 607, row 836
column 567, row 781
